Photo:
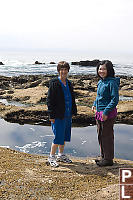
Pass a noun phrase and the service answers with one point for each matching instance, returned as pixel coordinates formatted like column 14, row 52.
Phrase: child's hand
column 52, row 120
column 93, row 108
column 104, row 117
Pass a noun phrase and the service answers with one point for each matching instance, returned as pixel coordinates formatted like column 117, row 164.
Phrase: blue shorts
column 62, row 130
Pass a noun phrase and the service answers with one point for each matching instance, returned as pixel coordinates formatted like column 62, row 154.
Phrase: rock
column 27, row 116
column 45, row 83
column 86, row 63
column 22, row 99
column 52, row 63
column 127, row 87
column 3, row 86
column 10, row 92
column 38, row 63
column 2, row 92
column 19, row 79
column 89, row 63
column 95, row 62
column 1, row 63
column 33, row 84
column 75, row 63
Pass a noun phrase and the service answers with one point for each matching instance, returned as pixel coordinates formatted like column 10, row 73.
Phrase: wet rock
column 75, row 63
column 2, row 92
column 45, row 83
column 10, row 92
column 38, row 63
column 126, row 117
column 89, row 63
column 28, row 117
column 1, row 63
column 52, row 62
column 33, row 84
column 9, row 97
column 86, row 63
column 127, row 87
column 42, row 100
column 83, row 119
column 25, row 98
column 19, row 79
column 2, row 86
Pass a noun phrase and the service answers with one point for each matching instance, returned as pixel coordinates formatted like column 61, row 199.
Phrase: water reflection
column 37, row 139
column 125, row 98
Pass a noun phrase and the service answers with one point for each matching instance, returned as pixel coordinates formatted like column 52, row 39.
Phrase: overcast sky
column 100, row 27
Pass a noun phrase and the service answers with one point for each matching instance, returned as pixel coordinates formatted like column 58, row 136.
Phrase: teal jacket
column 107, row 95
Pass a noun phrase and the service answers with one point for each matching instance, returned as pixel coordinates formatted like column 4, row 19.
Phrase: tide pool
column 36, row 139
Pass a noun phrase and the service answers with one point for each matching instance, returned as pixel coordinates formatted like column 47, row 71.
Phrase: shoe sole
column 64, row 161
column 49, row 164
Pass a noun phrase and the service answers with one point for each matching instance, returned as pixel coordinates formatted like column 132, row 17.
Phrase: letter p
column 126, row 174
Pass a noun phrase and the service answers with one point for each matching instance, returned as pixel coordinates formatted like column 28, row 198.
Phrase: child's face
column 102, row 71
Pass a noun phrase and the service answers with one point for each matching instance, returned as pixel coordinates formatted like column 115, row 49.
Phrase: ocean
column 22, row 64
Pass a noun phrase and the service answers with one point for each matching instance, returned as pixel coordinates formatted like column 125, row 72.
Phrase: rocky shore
column 25, row 98
column 26, row 176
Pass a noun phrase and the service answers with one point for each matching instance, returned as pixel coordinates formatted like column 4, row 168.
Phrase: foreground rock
column 25, row 176
column 30, row 92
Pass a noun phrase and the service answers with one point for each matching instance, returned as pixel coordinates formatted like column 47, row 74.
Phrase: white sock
column 52, row 155
column 60, row 154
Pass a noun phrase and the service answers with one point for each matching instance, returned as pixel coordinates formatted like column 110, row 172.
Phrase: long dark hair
column 109, row 67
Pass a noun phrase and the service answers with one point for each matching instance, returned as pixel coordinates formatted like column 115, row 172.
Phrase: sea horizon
column 18, row 63
column 29, row 56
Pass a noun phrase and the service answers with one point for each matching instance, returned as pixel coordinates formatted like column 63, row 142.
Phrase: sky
column 83, row 27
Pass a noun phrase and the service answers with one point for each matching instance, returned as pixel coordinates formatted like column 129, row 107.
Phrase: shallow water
column 36, row 139
column 14, row 103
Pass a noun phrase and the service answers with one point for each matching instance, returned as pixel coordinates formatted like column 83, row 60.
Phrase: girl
column 106, row 112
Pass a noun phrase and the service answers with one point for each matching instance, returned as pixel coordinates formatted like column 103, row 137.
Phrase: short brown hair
column 63, row 64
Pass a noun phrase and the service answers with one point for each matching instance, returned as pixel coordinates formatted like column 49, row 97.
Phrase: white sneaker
column 63, row 158
column 52, row 161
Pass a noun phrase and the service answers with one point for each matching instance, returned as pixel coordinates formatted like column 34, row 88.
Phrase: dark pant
column 106, row 138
